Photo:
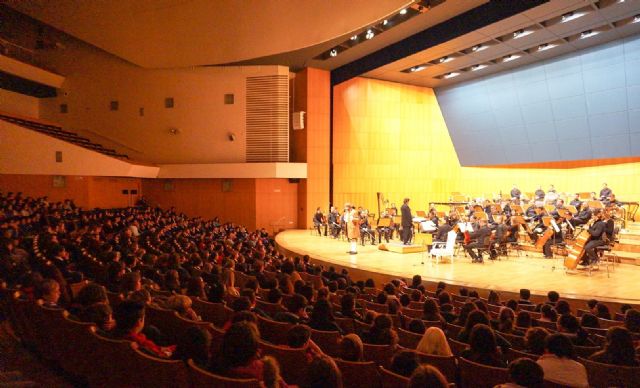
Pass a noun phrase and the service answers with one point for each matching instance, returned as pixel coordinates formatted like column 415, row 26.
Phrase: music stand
column 421, row 213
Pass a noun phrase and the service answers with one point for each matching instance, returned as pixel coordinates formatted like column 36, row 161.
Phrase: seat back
column 346, row 324
column 216, row 313
column 451, row 243
column 354, row 372
column 453, row 330
column 361, row 327
column 553, row 326
column 513, row 354
column 457, row 347
column 392, row 380
column 202, row 378
column 270, row 308
column 377, row 307
column 607, row 323
column 217, row 336
column 272, row 331
column 474, row 375
column 293, row 362
column 328, row 341
column 586, row 351
column 76, row 287
column 155, row 372
column 380, row 354
column 113, row 362
column 48, row 323
column 412, row 313
column 170, row 323
column 516, row 341
column 447, row 365
column 76, row 346
column 408, row 339
column 605, row 375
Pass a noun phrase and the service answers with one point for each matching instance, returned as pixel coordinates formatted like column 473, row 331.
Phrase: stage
column 506, row 275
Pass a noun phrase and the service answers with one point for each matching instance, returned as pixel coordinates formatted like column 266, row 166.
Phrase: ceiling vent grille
column 268, row 118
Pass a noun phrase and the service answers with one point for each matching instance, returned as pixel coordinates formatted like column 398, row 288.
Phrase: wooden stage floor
column 511, row 274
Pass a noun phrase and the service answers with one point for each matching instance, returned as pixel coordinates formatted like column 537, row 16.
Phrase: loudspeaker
column 297, row 120
column 294, row 180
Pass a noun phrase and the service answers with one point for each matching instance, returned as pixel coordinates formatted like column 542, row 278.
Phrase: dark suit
column 407, row 223
column 596, row 231
column 582, row 218
column 481, row 235
column 441, row 235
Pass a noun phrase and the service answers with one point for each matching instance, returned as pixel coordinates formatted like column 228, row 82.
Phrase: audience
column 323, row 373
column 404, row 362
column 351, row 348
column 129, row 317
column 194, row 344
column 483, row 348
column 426, row 376
column 618, row 350
column 434, row 342
column 524, row 372
column 559, row 362
column 416, row 326
column 381, row 332
column 322, row 317
column 431, row 311
column 535, row 340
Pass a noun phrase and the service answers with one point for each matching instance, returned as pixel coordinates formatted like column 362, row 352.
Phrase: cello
column 576, row 251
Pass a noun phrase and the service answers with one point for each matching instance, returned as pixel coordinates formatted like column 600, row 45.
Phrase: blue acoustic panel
column 571, row 129
column 616, row 123
column 582, row 105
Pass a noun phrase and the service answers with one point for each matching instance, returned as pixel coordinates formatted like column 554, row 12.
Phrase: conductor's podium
column 399, row 247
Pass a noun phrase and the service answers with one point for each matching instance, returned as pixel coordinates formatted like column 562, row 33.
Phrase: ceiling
column 610, row 19
column 183, row 33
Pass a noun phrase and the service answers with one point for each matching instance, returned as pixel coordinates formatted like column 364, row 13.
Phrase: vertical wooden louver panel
column 268, row 119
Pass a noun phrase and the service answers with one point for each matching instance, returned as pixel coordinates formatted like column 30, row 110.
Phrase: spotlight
column 478, row 67
column 636, row 19
column 333, row 53
column 477, row 48
column 510, row 58
column 520, row 33
column 416, row 69
column 588, row 34
column 451, row 75
column 403, row 11
column 385, row 22
column 370, row 34
column 354, row 37
column 546, row 46
column 445, row 59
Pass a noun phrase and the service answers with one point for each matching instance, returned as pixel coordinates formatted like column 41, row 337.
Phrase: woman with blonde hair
column 182, row 304
column 434, row 342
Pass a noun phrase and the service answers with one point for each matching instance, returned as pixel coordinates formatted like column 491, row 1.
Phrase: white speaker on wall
column 297, row 120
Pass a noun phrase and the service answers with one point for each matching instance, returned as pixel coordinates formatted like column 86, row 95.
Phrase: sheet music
column 465, row 227
column 555, row 225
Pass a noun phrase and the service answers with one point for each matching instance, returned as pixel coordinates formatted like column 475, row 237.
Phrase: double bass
column 576, row 251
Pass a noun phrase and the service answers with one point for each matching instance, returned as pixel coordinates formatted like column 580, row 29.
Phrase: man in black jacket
column 482, row 237
column 407, row 222
column 596, row 231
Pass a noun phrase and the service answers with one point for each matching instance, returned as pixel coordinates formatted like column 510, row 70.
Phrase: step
column 629, row 236
column 625, row 257
column 626, row 247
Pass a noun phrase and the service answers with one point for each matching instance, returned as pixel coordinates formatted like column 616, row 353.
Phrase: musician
column 352, row 221
column 610, row 225
column 443, row 230
column 319, row 221
column 576, row 202
column 407, row 222
column 551, row 196
column 605, row 193
column 433, row 216
column 365, row 228
column 555, row 238
column 481, row 235
column 597, row 232
column 515, row 192
column 539, row 194
column 582, row 217
column 334, row 222
column 555, row 213
column 385, row 231
column 611, row 201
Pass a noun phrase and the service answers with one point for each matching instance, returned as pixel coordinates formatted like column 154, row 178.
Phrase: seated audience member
column 602, row 311
column 88, row 295
column 589, row 320
column 618, row 350
column 324, row 373
column 381, row 332
column 591, row 305
column 351, row 348
column 172, row 281
column 182, row 305
column 100, row 314
column 523, row 320
column 274, row 296
column 130, row 282
column 548, row 314
column 348, row 307
column 493, row 298
column 296, row 313
column 563, row 307
column 430, row 311
column 465, row 310
column 525, row 295
column 382, row 298
column 322, row 317
column 405, row 300
column 524, row 372
column 195, row 344
column 473, row 294
column 217, row 292
column 298, row 337
column 474, row 318
column 434, row 342
column 427, row 376
column 196, row 288
column 552, row 298
column 416, row 281
column 559, row 363
column 50, row 292
column 129, row 317
column 569, row 326
column 535, row 339
column 632, row 321
column 416, row 326
column 404, row 362
column 447, row 312
column 416, row 296
column 505, row 322
column 483, row 348
column 250, row 294
column 444, row 298
column 239, row 356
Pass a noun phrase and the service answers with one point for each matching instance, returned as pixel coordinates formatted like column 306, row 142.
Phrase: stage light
column 403, row 11
column 510, row 58
column 370, row 34
column 588, row 34
column 546, row 46
column 636, row 19
column 567, row 17
column 416, row 69
column 520, row 33
column 451, row 75
column 478, row 47
column 478, row 67
column 385, row 22
column 445, row 59
column 333, row 53
column 354, row 37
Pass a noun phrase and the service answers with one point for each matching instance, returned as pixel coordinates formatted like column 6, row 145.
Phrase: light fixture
column 416, row 69
column 385, row 22
column 445, row 59
column 478, row 67
column 510, row 58
column 478, row 47
column 451, row 75
column 588, row 34
column 546, row 46
column 370, row 34
column 354, row 37
column 403, row 11
column 636, row 19
column 567, row 17
column 333, row 53
column 520, row 33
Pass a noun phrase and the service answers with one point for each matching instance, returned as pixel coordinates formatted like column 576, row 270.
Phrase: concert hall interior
column 512, row 128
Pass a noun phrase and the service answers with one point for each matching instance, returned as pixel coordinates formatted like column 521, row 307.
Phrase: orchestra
column 488, row 225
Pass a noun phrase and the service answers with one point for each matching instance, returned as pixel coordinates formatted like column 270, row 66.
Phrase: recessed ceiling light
column 588, row 34
column 451, row 75
column 354, row 37
column 333, row 53
column 416, row 69
column 478, row 47
column 636, row 19
column 521, row 33
column 403, row 11
column 510, row 58
column 567, row 17
column 445, row 59
column 385, row 22
column 478, row 67
column 370, row 34
column 546, row 46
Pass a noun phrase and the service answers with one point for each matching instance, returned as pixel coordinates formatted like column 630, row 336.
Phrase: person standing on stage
column 352, row 220
column 407, row 222
column 605, row 192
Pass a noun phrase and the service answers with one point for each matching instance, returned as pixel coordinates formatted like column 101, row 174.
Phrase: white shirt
column 563, row 371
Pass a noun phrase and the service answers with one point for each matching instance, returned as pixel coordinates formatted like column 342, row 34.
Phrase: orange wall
column 276, row 204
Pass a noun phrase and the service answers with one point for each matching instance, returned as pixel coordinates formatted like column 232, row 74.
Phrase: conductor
column 407, row 224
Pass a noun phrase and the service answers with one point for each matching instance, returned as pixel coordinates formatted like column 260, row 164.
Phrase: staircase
column 628, row 247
